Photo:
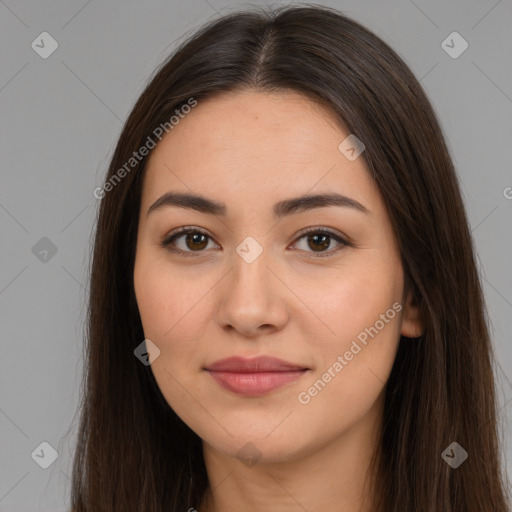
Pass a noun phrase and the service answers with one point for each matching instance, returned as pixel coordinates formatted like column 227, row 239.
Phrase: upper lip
column 254, row 365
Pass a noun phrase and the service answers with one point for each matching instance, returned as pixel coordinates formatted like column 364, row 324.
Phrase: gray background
column 61, row 117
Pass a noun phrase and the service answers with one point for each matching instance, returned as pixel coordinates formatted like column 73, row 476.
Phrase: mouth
column 254, row 377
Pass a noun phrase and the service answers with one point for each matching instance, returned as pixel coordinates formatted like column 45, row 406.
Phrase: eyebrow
column 280, row 209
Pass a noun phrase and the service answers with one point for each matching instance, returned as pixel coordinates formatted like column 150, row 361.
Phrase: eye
column 319, row 238
column 195, row 241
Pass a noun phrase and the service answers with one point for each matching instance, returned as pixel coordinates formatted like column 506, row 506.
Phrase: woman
column 285, row 311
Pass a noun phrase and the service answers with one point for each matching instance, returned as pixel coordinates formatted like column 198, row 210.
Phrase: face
column 317, row 284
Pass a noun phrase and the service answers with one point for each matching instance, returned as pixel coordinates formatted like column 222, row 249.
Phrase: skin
column 249, row 150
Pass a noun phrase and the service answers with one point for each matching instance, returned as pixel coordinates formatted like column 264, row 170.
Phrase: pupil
column 195, row 240
column 324, row 243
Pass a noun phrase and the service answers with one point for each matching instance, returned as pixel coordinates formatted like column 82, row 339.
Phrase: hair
column 133, row 452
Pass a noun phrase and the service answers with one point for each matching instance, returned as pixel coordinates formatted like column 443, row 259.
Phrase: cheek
column 168, row 301
column 168, row 307
column 351, row 303
column 361, row 315
column 351, row 376
column 172, row 307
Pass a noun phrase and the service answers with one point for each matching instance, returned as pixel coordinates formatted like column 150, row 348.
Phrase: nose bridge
column 249, row 298
column 250, row 272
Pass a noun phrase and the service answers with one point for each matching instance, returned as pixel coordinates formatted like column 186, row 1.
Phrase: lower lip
column 255, row 384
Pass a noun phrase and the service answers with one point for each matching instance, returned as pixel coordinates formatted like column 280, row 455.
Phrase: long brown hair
column 133, row 452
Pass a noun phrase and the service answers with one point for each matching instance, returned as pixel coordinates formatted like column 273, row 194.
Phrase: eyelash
column 168, row 240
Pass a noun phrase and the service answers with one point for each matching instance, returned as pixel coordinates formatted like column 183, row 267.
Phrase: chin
column 266, row 447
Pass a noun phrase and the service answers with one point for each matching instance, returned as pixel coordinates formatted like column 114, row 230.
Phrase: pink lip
column 254, row 377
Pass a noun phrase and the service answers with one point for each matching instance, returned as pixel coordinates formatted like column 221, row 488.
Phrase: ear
column 412, row 323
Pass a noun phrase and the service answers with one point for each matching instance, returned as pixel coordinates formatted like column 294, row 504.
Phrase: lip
column 253, row 365
column 256, row 376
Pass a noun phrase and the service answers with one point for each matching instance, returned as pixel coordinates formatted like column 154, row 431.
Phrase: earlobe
column 413, row 325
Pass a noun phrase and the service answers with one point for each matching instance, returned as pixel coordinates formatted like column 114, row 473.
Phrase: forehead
column 254, row 145
column 248, row 121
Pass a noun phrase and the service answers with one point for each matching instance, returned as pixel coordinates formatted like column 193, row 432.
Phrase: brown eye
column 196, row 240
column 318, row 240
column 193, row 240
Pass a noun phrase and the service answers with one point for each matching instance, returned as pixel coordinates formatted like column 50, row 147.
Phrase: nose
column 252, row 298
